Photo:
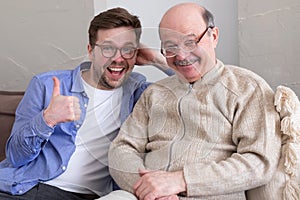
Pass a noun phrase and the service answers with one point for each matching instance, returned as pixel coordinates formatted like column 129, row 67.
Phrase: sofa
column 284, row 185
column 9, row 101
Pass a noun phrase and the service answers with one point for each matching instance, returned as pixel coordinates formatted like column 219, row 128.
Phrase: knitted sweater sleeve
column 127, row 151
column 256, row 134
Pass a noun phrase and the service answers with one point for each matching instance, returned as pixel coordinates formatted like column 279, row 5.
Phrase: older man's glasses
column 109, row 51
column 189, row 45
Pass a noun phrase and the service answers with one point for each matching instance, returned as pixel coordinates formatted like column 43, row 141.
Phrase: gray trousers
column 48, row 192
column 118, row 195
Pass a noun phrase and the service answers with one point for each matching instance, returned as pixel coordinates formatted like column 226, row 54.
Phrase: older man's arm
column 126, row 153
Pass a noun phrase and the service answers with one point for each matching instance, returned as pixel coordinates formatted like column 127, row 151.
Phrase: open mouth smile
column 116, row 73
column 182, row 63
column 115, row 69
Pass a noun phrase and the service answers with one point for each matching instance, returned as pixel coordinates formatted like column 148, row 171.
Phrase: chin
column 117, row 84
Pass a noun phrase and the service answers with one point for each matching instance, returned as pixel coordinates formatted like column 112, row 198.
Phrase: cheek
column 131, row 62
column 170, row 62
column 100, row 60
column 203, row 52
column 100, row 64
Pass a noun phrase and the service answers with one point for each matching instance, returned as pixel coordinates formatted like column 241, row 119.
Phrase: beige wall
column 269, row 40
column 40, row 35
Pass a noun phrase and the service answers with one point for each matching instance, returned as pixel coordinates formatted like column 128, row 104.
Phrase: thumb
column 56, row 87
column 143, row 171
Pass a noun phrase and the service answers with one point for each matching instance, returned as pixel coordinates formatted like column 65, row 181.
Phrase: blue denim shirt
column 36, row 152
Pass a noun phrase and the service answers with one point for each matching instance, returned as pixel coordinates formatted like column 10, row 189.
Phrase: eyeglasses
column 109, row 51
column 189, row 45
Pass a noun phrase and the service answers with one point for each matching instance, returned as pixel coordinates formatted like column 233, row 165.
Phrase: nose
column 118, row 57
column 181, row 54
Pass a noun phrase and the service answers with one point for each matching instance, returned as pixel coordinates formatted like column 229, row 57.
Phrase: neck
column 88, row 77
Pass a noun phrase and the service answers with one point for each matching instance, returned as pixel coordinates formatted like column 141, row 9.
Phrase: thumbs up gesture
column 61, row 108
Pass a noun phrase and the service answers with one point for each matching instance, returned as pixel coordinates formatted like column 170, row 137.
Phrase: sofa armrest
column 9, row 100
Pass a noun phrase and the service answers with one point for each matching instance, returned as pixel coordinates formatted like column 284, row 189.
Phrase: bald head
column 186, row 15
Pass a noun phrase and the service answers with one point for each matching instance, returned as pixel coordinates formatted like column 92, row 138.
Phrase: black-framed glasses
column 189, row 45
column 109, row 51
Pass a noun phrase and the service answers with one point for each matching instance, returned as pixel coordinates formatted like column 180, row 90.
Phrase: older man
column 210, row 132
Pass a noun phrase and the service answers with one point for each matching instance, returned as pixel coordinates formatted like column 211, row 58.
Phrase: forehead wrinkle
column 174, row 36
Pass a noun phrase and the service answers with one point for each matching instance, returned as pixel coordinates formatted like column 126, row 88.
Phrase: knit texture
column 222, row 131
column 285, row 183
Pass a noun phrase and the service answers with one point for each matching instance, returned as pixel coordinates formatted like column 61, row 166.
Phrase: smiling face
column 109, row 73
column 180, row 26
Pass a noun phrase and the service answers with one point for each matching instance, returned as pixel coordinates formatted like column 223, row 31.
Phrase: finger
column 76, row 107
column 142, row 189
column 77, row 114
column 171, row 197
column 71, row 100
column 143, row 171
column 56, row 87
column 149, row 196
column 75, row 99
column 144, row 193
column 75, row 102
column 137, row 184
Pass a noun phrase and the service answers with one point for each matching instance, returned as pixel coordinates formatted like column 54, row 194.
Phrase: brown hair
column 113, row 18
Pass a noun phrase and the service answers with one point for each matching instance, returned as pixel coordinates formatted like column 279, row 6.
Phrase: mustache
column 186, row 62
column 110, row 63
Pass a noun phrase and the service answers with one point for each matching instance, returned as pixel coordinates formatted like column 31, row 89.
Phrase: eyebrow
column 114, row 44
column 183, row 37
column 191, row 34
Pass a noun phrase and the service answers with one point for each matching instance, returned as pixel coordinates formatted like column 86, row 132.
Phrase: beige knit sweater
column 222, row 131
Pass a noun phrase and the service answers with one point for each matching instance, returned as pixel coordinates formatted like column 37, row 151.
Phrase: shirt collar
column 77, row 82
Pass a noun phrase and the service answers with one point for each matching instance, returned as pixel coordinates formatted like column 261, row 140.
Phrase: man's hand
column 148, row 56
column 61, row 108
column 159, row 185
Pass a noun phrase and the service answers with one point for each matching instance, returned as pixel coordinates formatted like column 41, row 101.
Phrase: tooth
column 116, row 69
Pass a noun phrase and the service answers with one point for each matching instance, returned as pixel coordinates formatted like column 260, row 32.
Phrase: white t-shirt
column 87, row 170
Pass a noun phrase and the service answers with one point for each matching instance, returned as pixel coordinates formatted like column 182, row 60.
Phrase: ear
column 90, row 51
column 215, row 36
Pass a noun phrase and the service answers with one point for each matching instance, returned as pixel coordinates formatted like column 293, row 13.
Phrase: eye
column 128, row 50
column 108, row 48
column 170, row 47
column 167, row 46
column 189, row 43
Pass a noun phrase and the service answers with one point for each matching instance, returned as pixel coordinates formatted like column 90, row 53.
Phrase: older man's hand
column 159, row 185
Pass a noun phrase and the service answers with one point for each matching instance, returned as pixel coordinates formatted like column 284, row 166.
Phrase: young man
column 67, row 119
column 211, row 132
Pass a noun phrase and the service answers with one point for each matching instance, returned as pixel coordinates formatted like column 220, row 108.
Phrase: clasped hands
column 159, row 185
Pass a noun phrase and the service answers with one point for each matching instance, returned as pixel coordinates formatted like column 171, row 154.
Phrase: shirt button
column 85, row 105
column 77, row 126
column 20, row 191
column 49, row 133
column 63, row 168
